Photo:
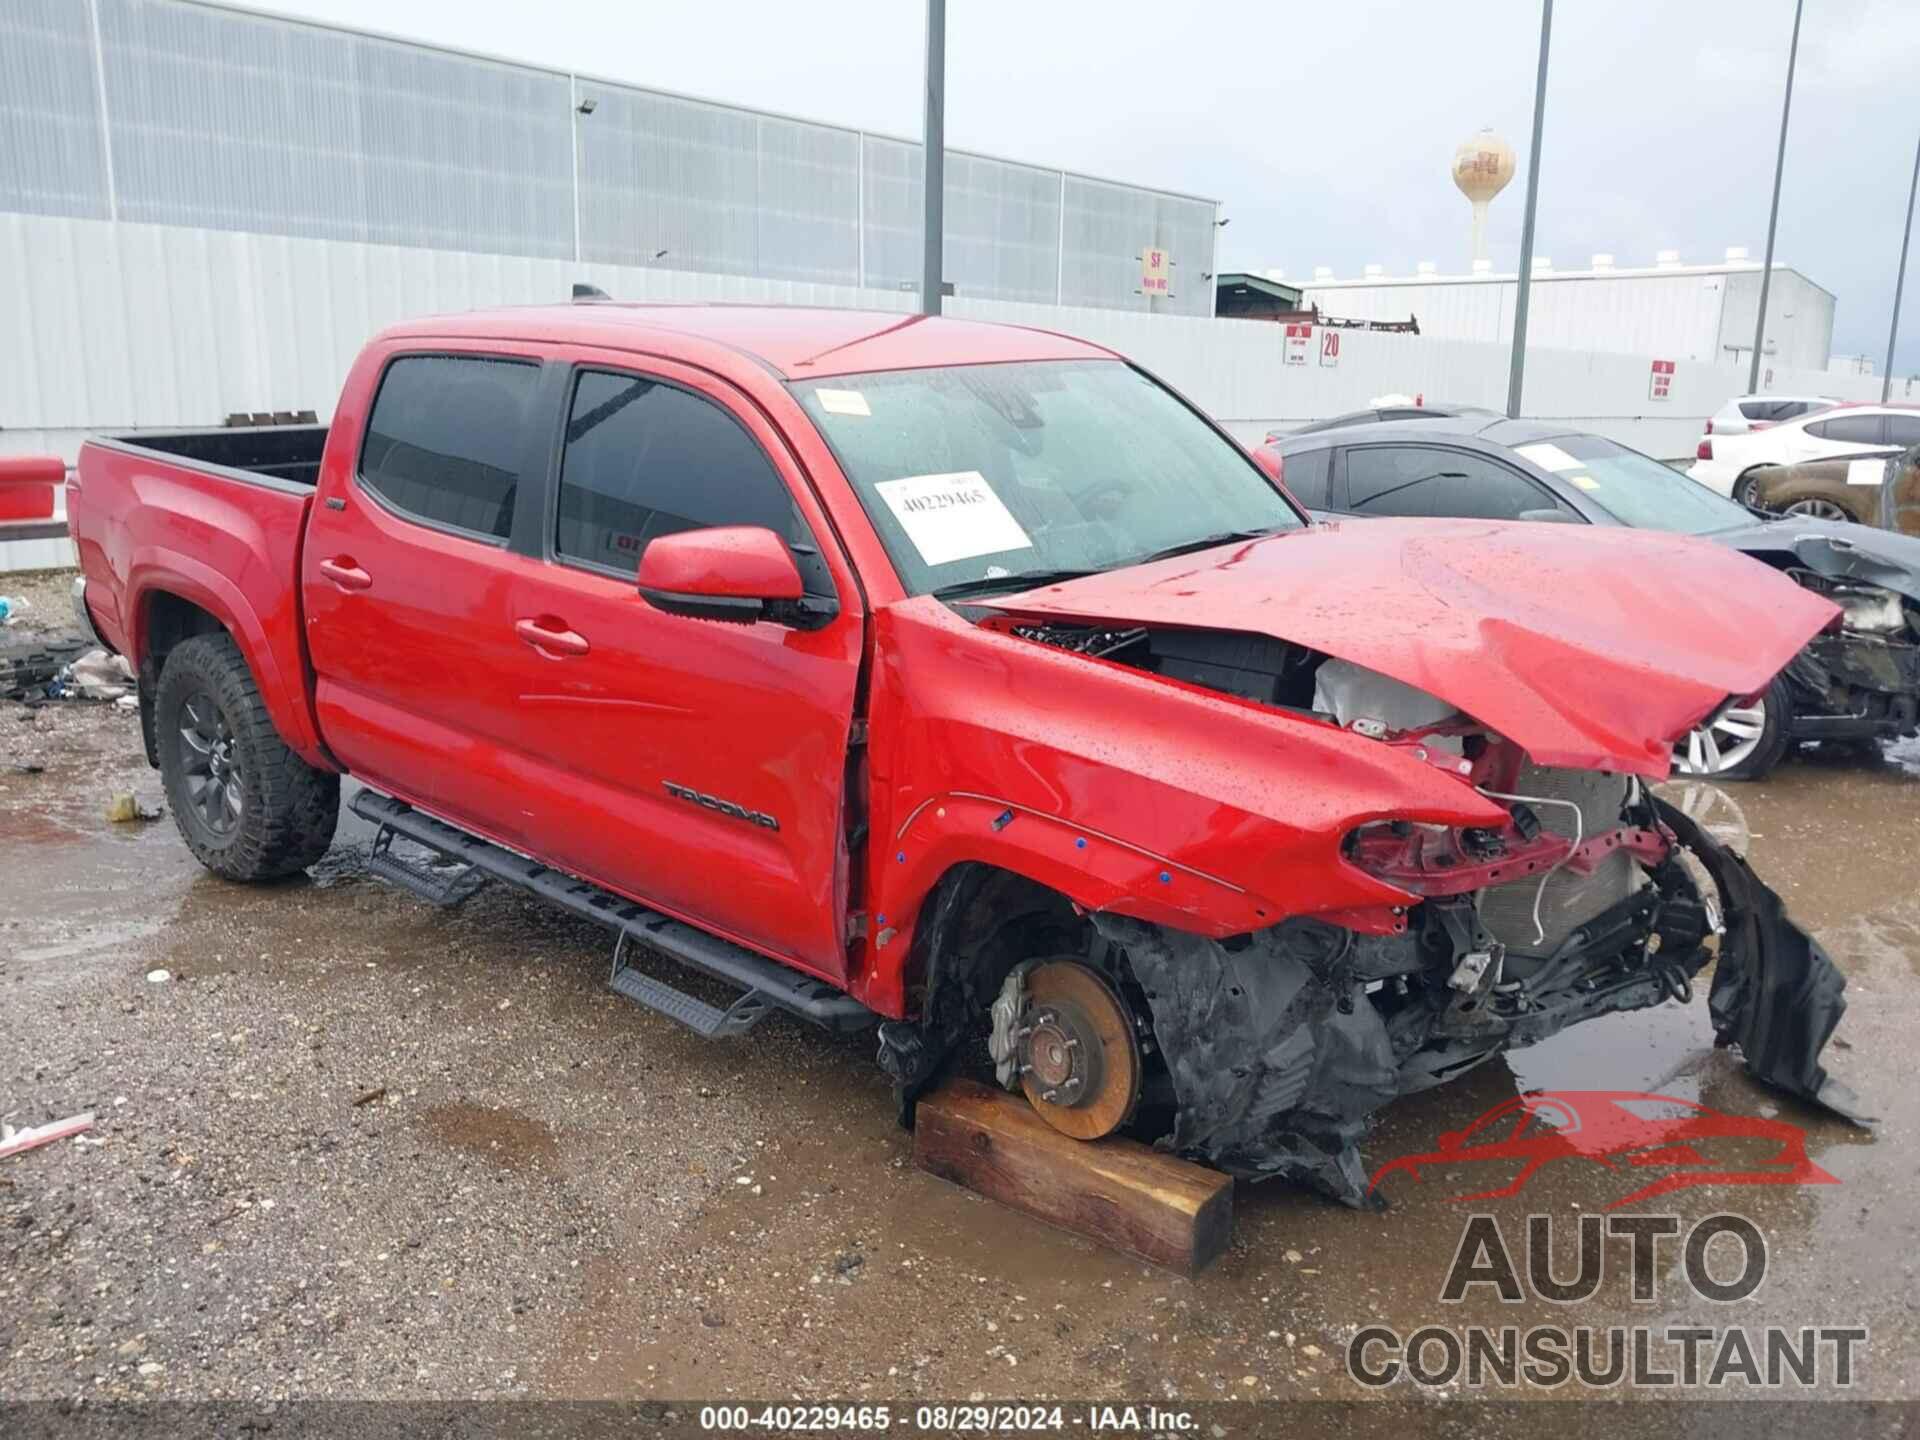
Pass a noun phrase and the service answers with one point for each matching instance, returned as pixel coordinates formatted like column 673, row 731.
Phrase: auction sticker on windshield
column 843, row 402
column 953, row 517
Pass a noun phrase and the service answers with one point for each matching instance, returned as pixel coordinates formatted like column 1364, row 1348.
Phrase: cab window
column 644, row 458
column 444, row 444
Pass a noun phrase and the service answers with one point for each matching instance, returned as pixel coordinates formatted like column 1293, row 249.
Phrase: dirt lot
column 554, row 1193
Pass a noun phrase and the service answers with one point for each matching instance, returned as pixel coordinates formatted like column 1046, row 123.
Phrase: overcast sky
column 1326, row 130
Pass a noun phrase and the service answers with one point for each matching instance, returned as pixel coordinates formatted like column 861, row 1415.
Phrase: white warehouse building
column 1667, row 310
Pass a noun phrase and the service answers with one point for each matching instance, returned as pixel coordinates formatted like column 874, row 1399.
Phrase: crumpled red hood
column 1590, row 647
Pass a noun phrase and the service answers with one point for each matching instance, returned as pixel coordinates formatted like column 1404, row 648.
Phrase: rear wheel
column 1743, row 742
column 247, row 806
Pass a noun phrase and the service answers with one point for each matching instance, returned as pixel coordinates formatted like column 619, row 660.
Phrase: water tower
column 1482, row 167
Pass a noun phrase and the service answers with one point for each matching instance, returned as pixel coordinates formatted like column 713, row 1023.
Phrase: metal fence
column 181, row 112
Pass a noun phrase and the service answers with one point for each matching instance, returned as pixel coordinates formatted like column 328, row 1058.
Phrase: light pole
column 1516, row 374
column 1900, row 280
column 1773, row 215
column 934, row 146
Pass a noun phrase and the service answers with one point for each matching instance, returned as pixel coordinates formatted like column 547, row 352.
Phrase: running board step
column 437, row 886
column 768, row 984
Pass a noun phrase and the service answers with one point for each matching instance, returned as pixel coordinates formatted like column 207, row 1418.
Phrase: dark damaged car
column 1857, row 681
column 963, row 681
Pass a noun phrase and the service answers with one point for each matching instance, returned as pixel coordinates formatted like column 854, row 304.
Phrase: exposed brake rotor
column 1078, row 1056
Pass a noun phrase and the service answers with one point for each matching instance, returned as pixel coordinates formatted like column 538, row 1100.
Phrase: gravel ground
column 49, row 609
column 352, row 1146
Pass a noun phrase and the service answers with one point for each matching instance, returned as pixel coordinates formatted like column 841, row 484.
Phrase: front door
column 697, row 764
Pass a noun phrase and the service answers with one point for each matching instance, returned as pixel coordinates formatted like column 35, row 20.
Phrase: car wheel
column 1818, row 509
column 247, row 806
column 1743, row 742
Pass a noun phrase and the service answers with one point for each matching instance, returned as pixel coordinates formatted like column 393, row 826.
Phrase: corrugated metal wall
column 51, row 158
column 1689, row 315
column 153, row 326
column 134, row 325
column 223, row 119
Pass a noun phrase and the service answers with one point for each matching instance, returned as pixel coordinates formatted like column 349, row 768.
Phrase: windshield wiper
column 987, row 584
column 1206, row 542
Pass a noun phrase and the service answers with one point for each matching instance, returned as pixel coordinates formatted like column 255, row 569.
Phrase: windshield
column 1634, row 489
column 1021, row 472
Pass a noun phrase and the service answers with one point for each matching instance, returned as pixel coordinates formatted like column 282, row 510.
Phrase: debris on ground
column 95, row 675
column 16, row 1142
column 29, row 666
column 379, row 1092
column 125, row 807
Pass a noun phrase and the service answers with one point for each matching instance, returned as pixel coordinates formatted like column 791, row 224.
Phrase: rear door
column 699, row 765
column 406, row 574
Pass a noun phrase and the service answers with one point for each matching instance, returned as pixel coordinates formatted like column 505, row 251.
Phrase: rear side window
column 1305, row 475
column 1852, row 429
column 645, row 458
column 445, row 440
column 1428, row 481
column 1903, row 430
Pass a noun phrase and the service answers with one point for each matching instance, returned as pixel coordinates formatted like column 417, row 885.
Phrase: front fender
column 1126, row 793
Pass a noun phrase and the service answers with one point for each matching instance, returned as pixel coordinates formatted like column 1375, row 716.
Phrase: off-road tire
column 288, row 809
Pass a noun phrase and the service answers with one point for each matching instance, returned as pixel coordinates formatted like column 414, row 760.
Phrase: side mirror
column 737, row 573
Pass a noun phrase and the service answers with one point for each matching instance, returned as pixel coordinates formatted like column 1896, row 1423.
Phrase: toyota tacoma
column 967, row 682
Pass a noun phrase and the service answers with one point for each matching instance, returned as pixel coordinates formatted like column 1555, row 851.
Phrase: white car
column 1759, row 412
column 1846, row 429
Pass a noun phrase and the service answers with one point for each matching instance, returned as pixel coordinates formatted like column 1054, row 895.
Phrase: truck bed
column 201, row 529
column 288, row 453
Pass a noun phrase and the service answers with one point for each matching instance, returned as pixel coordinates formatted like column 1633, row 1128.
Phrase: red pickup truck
column 963, row 679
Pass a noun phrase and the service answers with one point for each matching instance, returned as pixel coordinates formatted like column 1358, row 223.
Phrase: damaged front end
column 1279, row 1044
column 1861, row 679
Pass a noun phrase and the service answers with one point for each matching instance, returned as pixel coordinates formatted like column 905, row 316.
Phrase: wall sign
column 1154, row 267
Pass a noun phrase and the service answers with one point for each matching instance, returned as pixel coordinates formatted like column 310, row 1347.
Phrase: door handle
column 541, row 635
column 343, row 572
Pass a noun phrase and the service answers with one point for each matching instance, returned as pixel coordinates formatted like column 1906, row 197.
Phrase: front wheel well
column 978, row 922
column 975, row 924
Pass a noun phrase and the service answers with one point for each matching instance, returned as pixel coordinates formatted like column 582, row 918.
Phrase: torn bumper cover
column 1279, row 1046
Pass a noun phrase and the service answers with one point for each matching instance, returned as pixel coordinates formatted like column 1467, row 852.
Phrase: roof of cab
column 797, row 343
